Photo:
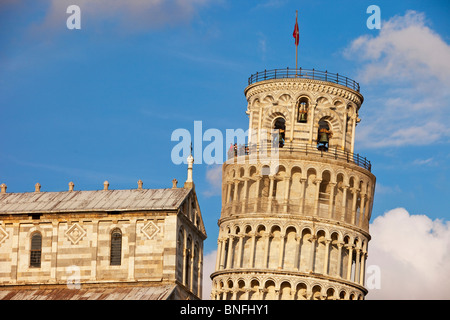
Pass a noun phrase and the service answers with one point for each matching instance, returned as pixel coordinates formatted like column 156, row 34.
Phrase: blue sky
column 101, row 103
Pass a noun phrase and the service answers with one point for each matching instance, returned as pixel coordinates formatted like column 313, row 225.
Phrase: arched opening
column 195, row 268
column 240, row 295
column 279, row 184
column 319, row 266
column 228, row 258
column 264, row 187
column 324, row 194
column 295, row 190
column 301, row 291
column 354, row 271
column 316, row 293
column 254, row 293
column 339, row 197
column 330, row 294
column 305, row 250
column 349, row 200
column 360, row 204
column 274, row 247
column 345, row 259
column 334, row 255
column 36, row 250
column 116, row 247
column 232, row 191
column 310, row 192
column 302, row 110
column 260, row 244
column 324, row 135
column 291, row 249
column 279, row 130
column 187, row 263
column 270, row 290
column 247, row 243
column 180, row 248
column 285, row 291
column 220, row 290
column 229, row 293
column 252, row 193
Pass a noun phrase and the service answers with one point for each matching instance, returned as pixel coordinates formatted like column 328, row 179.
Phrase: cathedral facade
column 104, row 244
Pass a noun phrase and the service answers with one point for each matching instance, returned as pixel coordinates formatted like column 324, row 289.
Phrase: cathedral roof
column 88, row 201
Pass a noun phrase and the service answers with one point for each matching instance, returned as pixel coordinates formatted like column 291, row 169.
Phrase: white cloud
column 270, row 4
column 385, row 189
column 409, row 65
column 405, row 47
column 421, row 162
column 262, row 45
column 413, row 255
column 214, row 178
column 130, row 15
column 209, row 266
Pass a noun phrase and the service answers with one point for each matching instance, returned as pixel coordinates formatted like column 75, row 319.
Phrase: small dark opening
column 323, row 136
column 36, row 249
column 302, row 112
column 279, row 132
column 116, row 248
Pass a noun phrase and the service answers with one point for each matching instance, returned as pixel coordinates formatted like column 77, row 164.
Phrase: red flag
column 296, row 32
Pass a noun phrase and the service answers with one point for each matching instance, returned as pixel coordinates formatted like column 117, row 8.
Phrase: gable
column 190, row 209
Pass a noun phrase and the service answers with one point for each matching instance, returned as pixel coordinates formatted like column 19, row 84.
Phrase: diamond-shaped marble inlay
column 3, row 235
column 75, row 233
column 150, row 229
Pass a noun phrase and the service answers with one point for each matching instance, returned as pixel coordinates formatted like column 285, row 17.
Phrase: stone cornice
column 283, row 273
column 288, row 219
column 300, row 84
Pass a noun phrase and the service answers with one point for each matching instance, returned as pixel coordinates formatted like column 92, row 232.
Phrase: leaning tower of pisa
column 296, row 198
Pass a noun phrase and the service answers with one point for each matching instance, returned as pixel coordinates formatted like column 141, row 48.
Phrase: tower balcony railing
column 305, row 149
column 304, row 74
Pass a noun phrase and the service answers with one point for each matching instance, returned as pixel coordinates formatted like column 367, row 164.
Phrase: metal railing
column 304, row 74
column 306, row 149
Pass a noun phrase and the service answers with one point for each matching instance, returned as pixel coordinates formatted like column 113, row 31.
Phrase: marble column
column 281, row 254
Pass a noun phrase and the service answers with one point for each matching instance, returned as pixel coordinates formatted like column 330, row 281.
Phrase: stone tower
column 295, row 224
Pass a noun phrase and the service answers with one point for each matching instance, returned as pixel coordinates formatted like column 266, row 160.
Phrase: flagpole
column 296, row 47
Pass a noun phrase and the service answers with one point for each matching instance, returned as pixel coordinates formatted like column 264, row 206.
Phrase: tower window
column 302, row 110
column 187, row 263
column 36, row 250
column 278, row 135
column 116, row 247
column 324, row 136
